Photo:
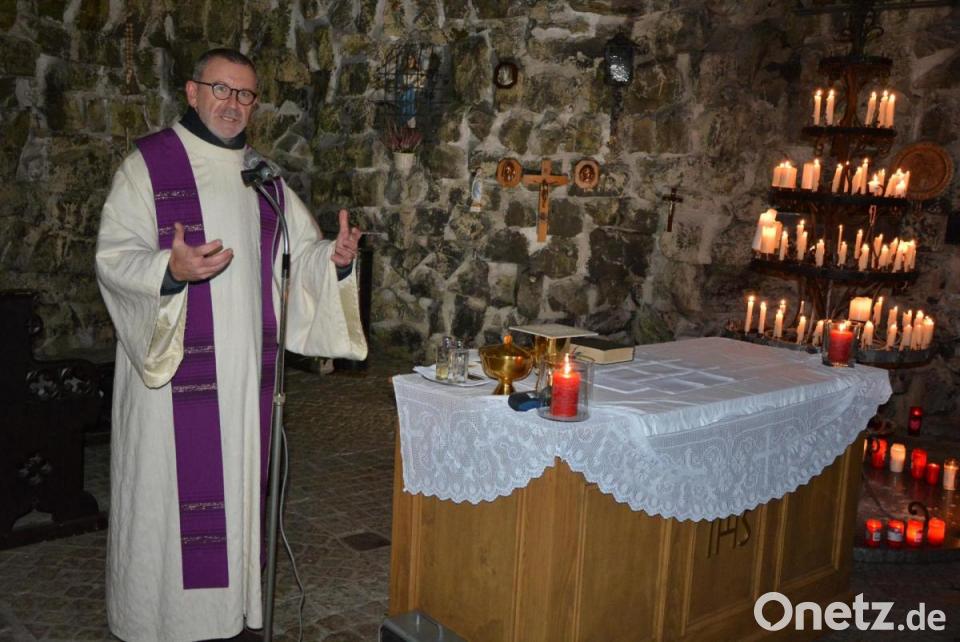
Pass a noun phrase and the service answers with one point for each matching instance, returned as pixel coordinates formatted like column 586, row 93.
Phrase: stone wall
column 721, row 90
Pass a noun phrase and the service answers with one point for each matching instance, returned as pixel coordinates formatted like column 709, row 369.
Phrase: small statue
column 476, row 191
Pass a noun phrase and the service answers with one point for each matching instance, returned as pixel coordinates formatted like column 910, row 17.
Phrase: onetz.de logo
column 840, row 616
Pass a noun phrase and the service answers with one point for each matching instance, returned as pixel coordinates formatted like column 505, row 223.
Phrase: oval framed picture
column 505, row 74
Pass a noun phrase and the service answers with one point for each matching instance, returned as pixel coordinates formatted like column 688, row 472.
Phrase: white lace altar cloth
column 695, row 429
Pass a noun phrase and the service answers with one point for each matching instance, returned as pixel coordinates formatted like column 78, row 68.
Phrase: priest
column 188, row 265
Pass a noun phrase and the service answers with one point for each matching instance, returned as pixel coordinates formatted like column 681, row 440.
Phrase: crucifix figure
column 546, row 180
column 673, row 199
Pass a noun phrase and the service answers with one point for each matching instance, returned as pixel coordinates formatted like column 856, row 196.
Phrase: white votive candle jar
column 898, row 454
column 950, row 468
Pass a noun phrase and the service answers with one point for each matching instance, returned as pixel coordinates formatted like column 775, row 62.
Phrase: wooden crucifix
column 546, row 180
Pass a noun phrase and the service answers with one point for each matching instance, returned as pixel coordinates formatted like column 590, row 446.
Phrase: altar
column 710, row 472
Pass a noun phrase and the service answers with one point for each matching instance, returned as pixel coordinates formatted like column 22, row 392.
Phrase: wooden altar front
column 559, row 560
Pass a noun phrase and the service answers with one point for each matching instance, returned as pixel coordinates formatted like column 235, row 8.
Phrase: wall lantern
column 618, row 66
column 618, row 60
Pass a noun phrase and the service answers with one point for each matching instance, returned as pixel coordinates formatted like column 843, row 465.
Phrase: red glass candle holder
column 936, row 531
column 838, row 345
column 914, row 532
column 918, row 463
column 933, row 473
column 915, row 420
column 895, row 531
column 878, row 456
column 874, row 533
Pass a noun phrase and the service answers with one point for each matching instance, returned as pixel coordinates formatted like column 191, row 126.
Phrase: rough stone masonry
column 720, row 91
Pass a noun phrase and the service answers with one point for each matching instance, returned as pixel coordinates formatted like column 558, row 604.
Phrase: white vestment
column 145, row 595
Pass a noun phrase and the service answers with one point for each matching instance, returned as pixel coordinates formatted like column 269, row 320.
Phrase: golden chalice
column 506, row 363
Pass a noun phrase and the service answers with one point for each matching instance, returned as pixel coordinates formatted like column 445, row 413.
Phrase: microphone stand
column 276, row 423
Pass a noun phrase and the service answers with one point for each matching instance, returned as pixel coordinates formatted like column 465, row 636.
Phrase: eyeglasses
column 222, row 91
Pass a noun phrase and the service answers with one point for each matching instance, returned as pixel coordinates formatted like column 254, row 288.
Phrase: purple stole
column 196, row 411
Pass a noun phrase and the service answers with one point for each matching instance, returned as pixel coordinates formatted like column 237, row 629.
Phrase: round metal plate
column 930, row 167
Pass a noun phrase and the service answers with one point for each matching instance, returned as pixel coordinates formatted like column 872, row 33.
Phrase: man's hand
column 345, row 247
column 196, row 263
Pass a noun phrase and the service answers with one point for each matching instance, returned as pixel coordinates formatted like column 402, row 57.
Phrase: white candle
column 784, row 244
column 871, row 109
column 766, row 218
column 898, row 260
column 763, row 317
column 898, row 453
column 918, row 318
column 882, row 114
column 894, row 246
column 801, row 328
column 778, row 325
column 860, row 308
column 892, row 183
column 950, row 468
column 906, row 337
column 867, row 339
column 749, row 319
column 877, row 309
column 800, row 228
column 892, row 316
column 864, row 257
column 842, row 255
column 817, row 97
column 806, row 181
column 856, row 246
column 884, row 256
column 907, row 318
column 831, row 99
column 891, row 105
column 873, row 186
column 891, row 336
column 816, row 174
column 802, row 247
column 821, row 249
column 789, row 180
column 768, row 239
column 777, row 175
column 910, row 259
column 906, row 179
column 927, row 333
column 837, row 176
column 857, row 180
column 877, row 244
column 817, row 333
column 901, row 190
column 916, row 341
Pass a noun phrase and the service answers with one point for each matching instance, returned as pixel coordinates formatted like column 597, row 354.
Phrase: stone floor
column 341, row 431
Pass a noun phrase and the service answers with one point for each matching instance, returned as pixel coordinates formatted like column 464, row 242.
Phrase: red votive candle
column 841, row 342
column 918, row 463
column 915, row 420
column 914, row 532
column 874, row 534
column 936, row 531
column 895, row 530
column 933, row 473
column 879, row 455
column 566, row 390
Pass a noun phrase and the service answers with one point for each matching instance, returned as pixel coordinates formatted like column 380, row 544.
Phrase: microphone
column 258, row 170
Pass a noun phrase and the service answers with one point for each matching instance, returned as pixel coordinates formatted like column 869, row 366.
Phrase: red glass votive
column 841, row 344
column 915, row 420
column 933, row 473
column 914, row 532
column 879, row 455
column 895, row 529
column 936, row 531
column 874, row 534
column 918, row 463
